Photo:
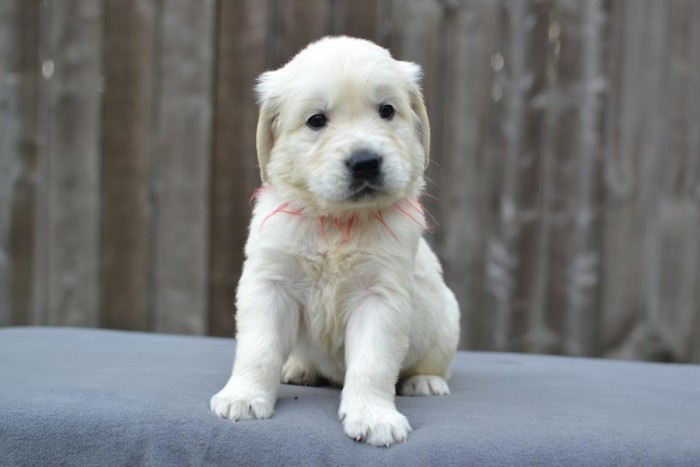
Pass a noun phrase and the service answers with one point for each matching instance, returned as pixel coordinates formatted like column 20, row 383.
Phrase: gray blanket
column 89, row 397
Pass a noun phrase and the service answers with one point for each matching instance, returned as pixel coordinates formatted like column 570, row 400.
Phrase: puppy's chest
column 334, row 278
column 328, row 267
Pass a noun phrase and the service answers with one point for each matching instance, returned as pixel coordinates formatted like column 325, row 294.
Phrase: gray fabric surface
column 88, row 397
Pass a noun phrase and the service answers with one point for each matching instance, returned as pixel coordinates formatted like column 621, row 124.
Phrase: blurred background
column 565, row 179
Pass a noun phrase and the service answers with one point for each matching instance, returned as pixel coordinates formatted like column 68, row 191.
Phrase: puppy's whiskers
column 256, row 194
column 282, row 208
column 344, row 225
column 430, row 224
column 428, row 195
column 380, row 217
column 345, row 228
column 408, row 214
column 323, row 227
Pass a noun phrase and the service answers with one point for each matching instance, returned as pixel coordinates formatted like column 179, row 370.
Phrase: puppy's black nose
column 364, row 164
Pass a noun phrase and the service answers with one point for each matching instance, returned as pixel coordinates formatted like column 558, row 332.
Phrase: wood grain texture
column 512, row 221
column 356, row 18
column 571, row 187
column 8, row 154
column 678, row 215
column 28, row 142
column 691, row 180
column 73, row 156
column 181, row 166
column 241, row 58
column 294, row 25
column 633, row 169
column 472, row 42
column 126, row 151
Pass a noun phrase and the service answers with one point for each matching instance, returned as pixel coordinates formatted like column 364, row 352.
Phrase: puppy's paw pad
column 235, row 407
column 424, row 385
column 303, row 374
column 376, row 426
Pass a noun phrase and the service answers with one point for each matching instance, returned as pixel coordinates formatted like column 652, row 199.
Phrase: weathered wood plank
column 512, row 225
column 181, row 166
column 356, row 18
column 8, row 154
column 73, row 155
column 691, row 182
column 295, row 25
column 633, row 170
column 126, row 150
column 679, row 206
column 572, row 192
column 24, row 202
column 472, row 29
column 241, row 58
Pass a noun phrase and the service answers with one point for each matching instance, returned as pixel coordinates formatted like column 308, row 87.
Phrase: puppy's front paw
column 376, row 424
column 228, row 404
column 423, row 385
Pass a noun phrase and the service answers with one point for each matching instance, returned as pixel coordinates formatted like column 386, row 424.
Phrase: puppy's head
column 342, row 126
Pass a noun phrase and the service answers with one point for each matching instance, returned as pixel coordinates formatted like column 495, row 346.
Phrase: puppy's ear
column 414, row 73
column 265, row 135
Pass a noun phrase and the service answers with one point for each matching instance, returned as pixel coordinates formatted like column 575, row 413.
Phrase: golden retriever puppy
column 338, row 284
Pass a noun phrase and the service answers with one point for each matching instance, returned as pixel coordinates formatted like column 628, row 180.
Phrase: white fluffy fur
column 333, row 288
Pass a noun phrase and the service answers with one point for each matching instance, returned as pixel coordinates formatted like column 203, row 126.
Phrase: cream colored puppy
column 338, row 283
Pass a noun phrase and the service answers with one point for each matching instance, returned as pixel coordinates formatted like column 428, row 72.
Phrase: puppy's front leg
column 376, row 343
column 267, row 323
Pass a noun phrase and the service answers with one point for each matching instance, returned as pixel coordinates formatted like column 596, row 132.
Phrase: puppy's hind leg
column 429, row 374
column 428, row 377
column 298, row 371
column 423, row 385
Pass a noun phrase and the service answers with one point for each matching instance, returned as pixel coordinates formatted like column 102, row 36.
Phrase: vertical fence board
column 19, row 69
column 298, row 23
column 23, row 208
column 573, row 289
column 241, row 58
column 181, row 166
column 633, row 173
column 691, row 182
column 8, row 153
column 126, row 150
column 512, row 227
column 653, row 197
column 679, row 213
column 358, row 18
column 73, row 191
column 416, row 35
column 472, row 30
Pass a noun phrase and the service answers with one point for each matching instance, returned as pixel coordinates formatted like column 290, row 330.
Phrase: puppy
column 338, row 284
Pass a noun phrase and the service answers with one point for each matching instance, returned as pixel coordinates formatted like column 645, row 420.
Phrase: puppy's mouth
column 363, row 191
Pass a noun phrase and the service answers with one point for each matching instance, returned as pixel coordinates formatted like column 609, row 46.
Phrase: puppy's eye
column 386, row 111
column 317, row 121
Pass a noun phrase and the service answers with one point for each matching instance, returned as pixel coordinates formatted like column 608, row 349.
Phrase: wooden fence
column 566, row 161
